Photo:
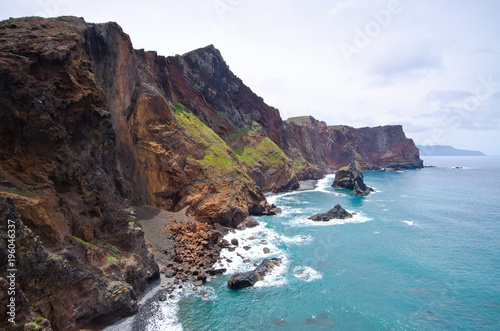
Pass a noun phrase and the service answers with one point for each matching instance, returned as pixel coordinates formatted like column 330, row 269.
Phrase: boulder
column 249, row 278
column 336, row 213
column 169, row 273
column 214, row 272
column 249, row 222
column 351, row 177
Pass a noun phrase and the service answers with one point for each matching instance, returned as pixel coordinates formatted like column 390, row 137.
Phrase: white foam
column 264, row 238
column 277, row 276
column 408, row 222
column 376, row 232
column 166, row 317
column 286, row 196
column 306, row 274
column 297, row 239
column 285, row 211
column 325, row 183
column 305, row 222
column 460, row 168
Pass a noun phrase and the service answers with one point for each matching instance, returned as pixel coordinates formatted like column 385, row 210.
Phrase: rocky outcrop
column 82, row 262
column 249, row 278
column 317, row 147
column 351, row 177
column 68, row 286
column 336, row 213
column 202, row 81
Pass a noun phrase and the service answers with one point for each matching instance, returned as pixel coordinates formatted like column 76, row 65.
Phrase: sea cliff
column 91, row 127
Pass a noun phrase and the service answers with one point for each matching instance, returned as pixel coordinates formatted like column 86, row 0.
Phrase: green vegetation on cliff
column 298, row 119
column 219, row 159
column 266, row 152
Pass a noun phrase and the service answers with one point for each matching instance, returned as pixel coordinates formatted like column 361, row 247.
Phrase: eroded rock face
column 351, row 177
column 249, row 278
column 336, row 212
column 67, row 287
column 319, row 147
column 61, row 167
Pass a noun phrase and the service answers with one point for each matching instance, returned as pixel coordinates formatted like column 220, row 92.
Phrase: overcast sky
column 432, row 66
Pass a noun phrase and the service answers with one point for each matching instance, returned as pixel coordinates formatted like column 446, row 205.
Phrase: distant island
column 444, row 150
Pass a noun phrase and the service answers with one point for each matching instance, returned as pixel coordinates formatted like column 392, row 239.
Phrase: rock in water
column 249, row 278
column 337, row 212
column 351, row 177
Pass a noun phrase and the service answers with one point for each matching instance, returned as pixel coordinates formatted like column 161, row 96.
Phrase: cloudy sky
column 432, row 66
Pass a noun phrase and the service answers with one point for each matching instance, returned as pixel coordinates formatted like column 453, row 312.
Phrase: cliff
column 316, row 146
column 91, row 127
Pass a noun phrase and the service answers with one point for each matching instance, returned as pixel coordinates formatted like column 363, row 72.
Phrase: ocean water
column 422, row 253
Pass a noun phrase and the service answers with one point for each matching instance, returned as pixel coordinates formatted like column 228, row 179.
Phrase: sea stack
column 351, row 177
column 336, row 213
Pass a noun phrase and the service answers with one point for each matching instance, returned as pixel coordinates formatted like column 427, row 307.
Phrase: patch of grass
column 218, row 159
column 35, row 324
column 112, row 259
column 54, row 256
column 335, row 127
column 132, row 226
column 110, row 248
column 266, row 152
column 15, row 190
column 81, row 241
column 298, row 119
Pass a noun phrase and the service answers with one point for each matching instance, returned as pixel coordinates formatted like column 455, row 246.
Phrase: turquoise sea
column 422, row 253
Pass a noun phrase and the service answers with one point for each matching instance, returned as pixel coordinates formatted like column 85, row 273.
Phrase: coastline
column 166, row 292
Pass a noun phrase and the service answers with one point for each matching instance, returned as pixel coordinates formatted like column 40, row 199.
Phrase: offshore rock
column 351, row 177
column 336, row 213
column 249, row 278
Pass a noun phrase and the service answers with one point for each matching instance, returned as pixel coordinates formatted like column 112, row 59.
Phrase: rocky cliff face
column 61, row 165
column 317, row 147
column 90, row 127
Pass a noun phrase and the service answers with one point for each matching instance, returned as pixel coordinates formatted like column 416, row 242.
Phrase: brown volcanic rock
column 203, row 82
column 205, row 73
column 59, row 156
column 313, row 142
column 67, row 287
column 162, row 157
